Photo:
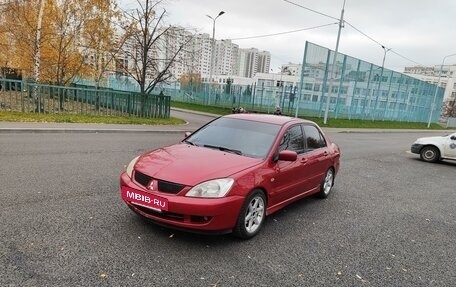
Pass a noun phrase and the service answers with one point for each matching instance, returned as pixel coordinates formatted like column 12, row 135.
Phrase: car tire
column 327, row 184
column 430, row 154
column 252, row 215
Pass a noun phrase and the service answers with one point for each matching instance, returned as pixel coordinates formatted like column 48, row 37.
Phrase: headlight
column 130, row 166
column 212, row 189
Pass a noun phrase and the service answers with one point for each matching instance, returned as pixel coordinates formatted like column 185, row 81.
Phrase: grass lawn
column 332, row 123
column 74, row 118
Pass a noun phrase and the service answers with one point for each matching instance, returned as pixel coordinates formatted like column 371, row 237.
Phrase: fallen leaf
column 171, row 236
column 403, row 269
column 339, row 273
column 215, row 284
column 102, row 275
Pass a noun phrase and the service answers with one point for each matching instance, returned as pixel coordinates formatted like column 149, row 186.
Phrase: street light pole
column 211, row 70
column 386, row 50
column 341, row 24
column 437, row 88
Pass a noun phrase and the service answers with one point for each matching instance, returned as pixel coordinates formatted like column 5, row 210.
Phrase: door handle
column 304, row 160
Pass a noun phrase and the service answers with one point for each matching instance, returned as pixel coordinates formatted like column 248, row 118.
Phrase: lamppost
column 386, row 50
column 437, row 88
column 341, row 24
column 212, row 51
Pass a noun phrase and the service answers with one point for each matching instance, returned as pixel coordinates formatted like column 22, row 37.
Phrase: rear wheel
column 327, row 184
column 252, row 215
column 430, row 154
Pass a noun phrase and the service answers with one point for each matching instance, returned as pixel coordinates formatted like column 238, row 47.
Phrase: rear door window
column 313, row 138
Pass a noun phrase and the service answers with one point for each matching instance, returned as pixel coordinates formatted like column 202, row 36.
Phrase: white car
column 433, row 149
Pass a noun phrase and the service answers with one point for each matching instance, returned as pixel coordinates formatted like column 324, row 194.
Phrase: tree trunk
column 37, row 57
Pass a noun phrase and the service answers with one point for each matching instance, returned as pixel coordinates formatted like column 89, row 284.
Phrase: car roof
column 267, row 118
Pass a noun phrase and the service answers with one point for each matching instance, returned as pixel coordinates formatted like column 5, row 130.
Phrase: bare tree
column 147, row 47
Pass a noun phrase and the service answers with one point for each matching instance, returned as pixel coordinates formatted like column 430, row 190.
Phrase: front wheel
column 430, row 154
column 327, row 184
column 252, row 215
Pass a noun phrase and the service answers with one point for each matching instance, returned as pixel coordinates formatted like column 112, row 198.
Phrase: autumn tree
column 22, row 38
column 190, row 81
column 151, row 55
column 101, row 42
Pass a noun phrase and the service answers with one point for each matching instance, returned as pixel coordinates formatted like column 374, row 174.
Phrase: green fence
column 28, row 97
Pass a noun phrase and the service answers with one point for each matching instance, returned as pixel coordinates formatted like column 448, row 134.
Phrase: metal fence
column 359, row 90
column 38, row 98
column 363, row 90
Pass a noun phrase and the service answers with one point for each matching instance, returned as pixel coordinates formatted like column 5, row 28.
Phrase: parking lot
column 391, row 221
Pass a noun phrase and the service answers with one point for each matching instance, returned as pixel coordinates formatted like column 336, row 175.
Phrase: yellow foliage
column 71, row 31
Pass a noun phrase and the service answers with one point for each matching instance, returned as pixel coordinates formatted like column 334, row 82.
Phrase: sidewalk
column 30, row 127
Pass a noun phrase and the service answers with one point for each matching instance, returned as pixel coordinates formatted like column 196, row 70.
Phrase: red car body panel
column 283, row 182
column 190, row 165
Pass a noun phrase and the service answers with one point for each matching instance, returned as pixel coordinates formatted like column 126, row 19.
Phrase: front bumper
column 416, row 148
column 193, row 214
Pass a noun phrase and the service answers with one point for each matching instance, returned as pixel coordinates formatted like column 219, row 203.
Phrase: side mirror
column 187, row 134
column 287, row 155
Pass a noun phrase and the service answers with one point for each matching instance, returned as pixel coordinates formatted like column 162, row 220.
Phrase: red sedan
column 231, row 173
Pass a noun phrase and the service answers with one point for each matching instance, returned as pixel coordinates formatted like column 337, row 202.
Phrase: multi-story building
column 226, row 54
column 431, row 75
column 263, row 62
column 291, row 69
column 195, row 56
column 252, row 61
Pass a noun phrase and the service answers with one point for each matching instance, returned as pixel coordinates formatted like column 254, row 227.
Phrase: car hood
column 190, row 165
column 430, row 139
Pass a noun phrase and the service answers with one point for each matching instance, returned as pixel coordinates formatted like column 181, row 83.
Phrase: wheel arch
column 438, row 147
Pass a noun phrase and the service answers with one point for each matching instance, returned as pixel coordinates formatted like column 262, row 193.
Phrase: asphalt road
column 391, row 221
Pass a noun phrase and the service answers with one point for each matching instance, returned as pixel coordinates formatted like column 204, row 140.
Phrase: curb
column 82, row 131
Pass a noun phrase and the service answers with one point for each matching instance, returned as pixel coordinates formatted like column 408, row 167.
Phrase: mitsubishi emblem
column 151, row 185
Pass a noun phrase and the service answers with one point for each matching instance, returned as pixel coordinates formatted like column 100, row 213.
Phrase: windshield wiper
column 189, row 142
column 224, row 149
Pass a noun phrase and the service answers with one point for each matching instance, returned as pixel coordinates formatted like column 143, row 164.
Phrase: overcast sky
column 423, row 31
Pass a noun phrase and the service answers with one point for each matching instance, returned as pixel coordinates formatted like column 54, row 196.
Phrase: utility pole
column 331, row 78
column 211, row 70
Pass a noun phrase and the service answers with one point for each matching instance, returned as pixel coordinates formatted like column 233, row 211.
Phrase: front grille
column 163, row 186
column 141, row 178
column 170, row 187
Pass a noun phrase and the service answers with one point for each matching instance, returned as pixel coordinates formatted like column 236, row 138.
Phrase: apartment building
column 431, row 75
column 252, row 61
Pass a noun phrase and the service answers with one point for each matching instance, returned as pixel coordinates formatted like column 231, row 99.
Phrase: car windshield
column 244, row 137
